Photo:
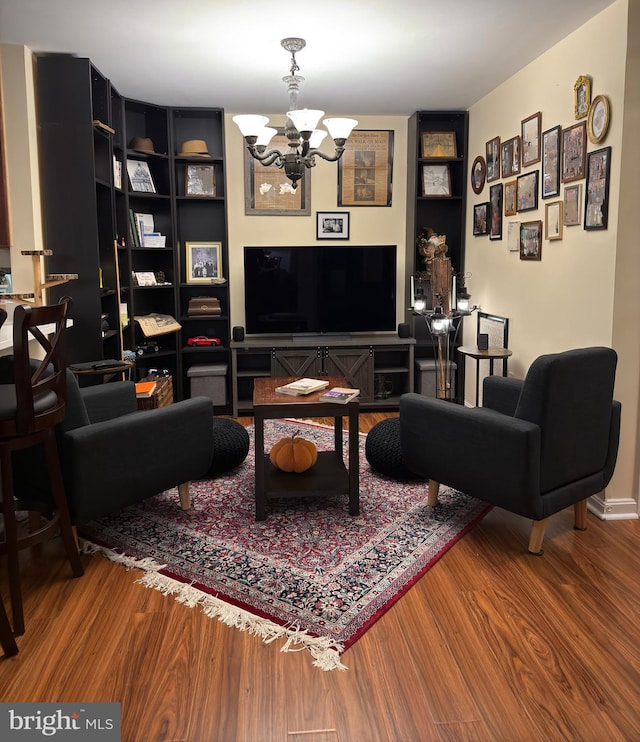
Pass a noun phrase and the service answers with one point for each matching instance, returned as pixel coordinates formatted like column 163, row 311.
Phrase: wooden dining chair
column 31, row 404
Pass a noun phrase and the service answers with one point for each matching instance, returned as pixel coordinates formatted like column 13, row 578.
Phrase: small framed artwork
column 510, row 157
column 572, row 211
column 478, row 174
column 551, row 162
column 140, row 176
column 527, row 195
column 332, row 225
column 596, row 207
column 145, row 278
column 553, row 220
column 436, row 180
column 598, row 119
column 574, row 152
column 582, row 96
column 203, row 262
column 513, row 236
column 510, row 192
column 531, row 240
column 200, row 181
column 495, row 209
column 438, row 144
column 480, row 218
column 493, row 159
column 530, row 131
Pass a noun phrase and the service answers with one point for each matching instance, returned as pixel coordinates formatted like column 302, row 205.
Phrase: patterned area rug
column 309, row 573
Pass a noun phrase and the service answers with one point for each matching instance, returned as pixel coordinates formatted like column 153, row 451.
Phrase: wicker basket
column 162, row 396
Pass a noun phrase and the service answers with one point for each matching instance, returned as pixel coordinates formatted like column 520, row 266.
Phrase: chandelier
column 300, row 129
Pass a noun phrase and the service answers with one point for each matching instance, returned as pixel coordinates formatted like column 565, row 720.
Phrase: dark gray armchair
column 534, row 448
column 113, row 455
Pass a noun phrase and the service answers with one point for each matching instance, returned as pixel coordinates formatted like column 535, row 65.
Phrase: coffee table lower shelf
column 328, row 476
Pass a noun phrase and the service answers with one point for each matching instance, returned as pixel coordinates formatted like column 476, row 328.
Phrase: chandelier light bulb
column 315, row 140
column 340, row 128
column 265, row 135
column 249, row 124
column 305, row 119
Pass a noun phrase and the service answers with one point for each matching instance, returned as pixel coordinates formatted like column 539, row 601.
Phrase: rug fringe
column 325, row 652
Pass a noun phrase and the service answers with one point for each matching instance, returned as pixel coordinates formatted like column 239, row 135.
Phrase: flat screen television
column 320, row 290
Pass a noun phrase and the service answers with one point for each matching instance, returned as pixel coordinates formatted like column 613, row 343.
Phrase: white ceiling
column 384, row 57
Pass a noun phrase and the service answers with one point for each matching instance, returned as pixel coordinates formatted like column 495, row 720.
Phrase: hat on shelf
column 142, row 144
column 194, row 148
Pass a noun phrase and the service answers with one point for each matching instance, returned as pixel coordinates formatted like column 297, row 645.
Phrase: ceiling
column 367, row 57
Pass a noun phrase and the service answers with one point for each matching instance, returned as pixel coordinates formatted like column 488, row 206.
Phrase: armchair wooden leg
column 580, row 515
column 185, row 497
column 432, row 497
column 537, row 536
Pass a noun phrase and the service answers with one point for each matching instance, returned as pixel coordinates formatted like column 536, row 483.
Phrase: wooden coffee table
column 329, row 475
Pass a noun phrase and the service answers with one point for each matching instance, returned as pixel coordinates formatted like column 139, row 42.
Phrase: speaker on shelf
column 238, row 334
column 404, row 331
column 483, row 341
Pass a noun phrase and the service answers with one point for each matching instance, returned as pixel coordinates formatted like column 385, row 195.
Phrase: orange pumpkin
column 293, row 454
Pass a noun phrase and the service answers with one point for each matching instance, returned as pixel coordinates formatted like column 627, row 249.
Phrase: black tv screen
column 319, row 290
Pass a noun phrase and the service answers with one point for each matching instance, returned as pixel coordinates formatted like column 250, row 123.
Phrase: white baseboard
column 620, row 509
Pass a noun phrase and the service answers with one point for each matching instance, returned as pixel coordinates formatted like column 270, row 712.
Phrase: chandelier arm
column 268, row 158
column 328, row 158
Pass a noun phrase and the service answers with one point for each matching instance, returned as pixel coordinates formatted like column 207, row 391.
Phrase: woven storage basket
column 162, row 396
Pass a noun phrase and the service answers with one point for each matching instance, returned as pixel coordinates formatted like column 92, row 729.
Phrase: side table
column 329, row 475
column 491, row 355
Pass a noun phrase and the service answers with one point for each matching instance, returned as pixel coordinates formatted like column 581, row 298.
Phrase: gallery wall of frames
column 548, row 161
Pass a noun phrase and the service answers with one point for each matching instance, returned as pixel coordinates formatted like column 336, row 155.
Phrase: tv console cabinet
column 361, row 359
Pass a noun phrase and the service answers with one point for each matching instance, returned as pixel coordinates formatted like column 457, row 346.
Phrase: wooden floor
column 491, row 644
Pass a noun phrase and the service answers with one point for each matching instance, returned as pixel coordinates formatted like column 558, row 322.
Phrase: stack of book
column 302, row 386
column 143, row 231
column 339, row 395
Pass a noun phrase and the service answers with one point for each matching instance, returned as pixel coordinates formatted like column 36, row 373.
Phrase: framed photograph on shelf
column 203, row 262
column 268, row 191
column 574, row 152
column 436, row 180
column 478, row 174
column 145, row 278
column 596, row 207
column 551, row 162
column 598, row 119
column 530, row 132
column 531, row 240
column 200, row 181
column 510, row 194
column 582, row 96
column 572, row 211
column 140, row 176
column 553, row 220
column 365, row 168
column 492, row 151
column 527, row 196
column 495, row 210
column 510, row 157
column 332, row 225
column 438, row 144
column 481, row 218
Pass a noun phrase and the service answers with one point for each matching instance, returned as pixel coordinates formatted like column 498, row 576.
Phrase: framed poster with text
column 364, row 170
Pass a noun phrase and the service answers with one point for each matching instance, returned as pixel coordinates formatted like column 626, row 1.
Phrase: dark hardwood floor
column 491, row 644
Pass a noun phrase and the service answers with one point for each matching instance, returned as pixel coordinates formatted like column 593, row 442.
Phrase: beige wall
column 568, row 299
column 368, row 226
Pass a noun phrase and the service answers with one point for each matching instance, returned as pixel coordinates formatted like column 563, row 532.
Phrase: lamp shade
column 305, row 119
column 340, row 128
column 249, row 124
column 315, row 140
column 265, row 135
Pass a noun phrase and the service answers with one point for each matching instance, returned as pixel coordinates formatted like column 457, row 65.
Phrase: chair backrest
column 569, row 396
column 40, row 384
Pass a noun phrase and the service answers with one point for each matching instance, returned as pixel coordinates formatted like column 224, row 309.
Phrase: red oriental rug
column 309, row 573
